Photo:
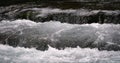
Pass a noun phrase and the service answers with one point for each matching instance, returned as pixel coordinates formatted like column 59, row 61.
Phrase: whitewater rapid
column 9, row 54
column 22, row 41
column 26, row 33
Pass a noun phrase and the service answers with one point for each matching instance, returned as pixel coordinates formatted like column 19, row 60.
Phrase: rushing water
column 60, row 32
column 69, row 55
column 26, row 33
column 73, row 16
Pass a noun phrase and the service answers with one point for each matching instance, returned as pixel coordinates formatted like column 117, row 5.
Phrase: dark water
column 38, row 13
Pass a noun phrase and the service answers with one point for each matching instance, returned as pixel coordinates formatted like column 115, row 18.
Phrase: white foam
column 69, row 55
column 63, row 31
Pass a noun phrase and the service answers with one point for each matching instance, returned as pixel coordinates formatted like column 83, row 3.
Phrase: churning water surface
column 75, row 39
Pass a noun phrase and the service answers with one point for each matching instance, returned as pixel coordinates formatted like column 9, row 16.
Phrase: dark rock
column 110, row 47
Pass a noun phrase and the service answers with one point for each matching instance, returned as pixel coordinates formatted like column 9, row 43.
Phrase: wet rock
column 110, row 47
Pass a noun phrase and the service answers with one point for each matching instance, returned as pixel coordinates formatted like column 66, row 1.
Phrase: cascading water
column 73, row 16
column 70, row 31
